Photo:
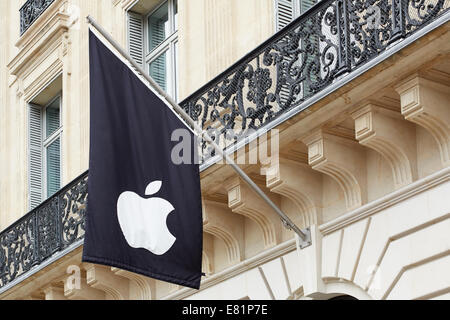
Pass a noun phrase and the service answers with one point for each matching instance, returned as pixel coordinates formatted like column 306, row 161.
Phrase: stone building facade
column 359, row 94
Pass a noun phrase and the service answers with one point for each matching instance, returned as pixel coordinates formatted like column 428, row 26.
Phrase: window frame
column 47, row 141
column 167, row 46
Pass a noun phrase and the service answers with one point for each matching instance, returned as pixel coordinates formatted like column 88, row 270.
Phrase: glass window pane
column 52, row 117
column 176, row 70
column 158, row 24
column 175, row 18
column 53, row 167
column 305, row 5
column 158, row 70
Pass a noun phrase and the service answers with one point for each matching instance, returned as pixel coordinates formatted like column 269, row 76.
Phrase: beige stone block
column 257, row 290
column 406, row 251
column 331, row 247
column 206, row 36
column 294, row 270
column 396, row 220
column 352, row 243
column 424, row 281
column 234, row 288
column 277, row 279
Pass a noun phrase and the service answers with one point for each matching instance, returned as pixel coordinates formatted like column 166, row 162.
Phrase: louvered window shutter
column 284, row 13
column 35, row 155
column 136, row 37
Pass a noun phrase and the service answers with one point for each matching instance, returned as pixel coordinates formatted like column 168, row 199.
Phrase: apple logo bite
column 143, row 221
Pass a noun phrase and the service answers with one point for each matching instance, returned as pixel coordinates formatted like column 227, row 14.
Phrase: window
column 44, row 150
column 52, row 146
column 288, row 10
column 153, row 43
column 161, row 49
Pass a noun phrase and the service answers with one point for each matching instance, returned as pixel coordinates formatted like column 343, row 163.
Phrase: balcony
column 318, row 53
column 54, row 226
column 30, row 11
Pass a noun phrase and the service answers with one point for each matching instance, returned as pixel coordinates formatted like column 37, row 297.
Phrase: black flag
column 144, row 212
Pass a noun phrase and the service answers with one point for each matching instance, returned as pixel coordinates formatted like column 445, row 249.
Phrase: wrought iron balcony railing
column 50, row 228
column 333, row 39
column 30, row 11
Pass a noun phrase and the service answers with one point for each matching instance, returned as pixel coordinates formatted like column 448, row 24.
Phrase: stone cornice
column 126, row 4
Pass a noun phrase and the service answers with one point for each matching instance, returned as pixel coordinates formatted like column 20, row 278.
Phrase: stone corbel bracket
column 219, row 222
column 144, row 286
column 53, row 292
column 341, row 159
column 427, row 103
column 244, row 201
column 84, row 292
column 102, row 278
column 387, row 133
column 301, row 185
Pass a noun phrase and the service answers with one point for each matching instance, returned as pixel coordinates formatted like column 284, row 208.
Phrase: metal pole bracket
column 304, row 243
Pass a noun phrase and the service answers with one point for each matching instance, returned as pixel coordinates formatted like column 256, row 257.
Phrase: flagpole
column 305, row 235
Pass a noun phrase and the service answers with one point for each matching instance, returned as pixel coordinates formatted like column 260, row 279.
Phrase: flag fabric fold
column 144, row 211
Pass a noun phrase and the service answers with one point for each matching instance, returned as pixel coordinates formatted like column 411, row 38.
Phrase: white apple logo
column 143, row 221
